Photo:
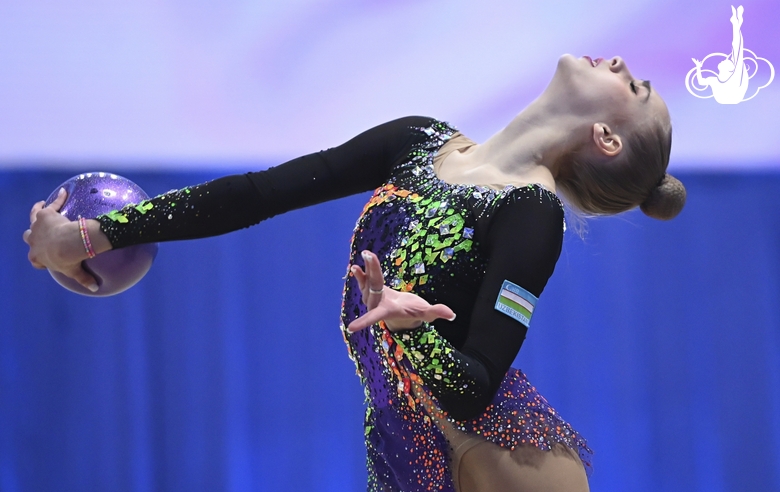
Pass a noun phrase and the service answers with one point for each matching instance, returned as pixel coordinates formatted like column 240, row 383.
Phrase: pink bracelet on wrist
column 85, row 237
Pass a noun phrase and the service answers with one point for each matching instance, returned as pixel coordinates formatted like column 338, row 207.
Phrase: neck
column 529, row 148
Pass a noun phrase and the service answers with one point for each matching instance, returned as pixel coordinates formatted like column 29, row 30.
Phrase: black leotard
column 519, row 236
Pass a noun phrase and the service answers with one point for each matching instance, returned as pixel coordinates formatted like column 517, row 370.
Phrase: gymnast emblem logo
column 730, row 84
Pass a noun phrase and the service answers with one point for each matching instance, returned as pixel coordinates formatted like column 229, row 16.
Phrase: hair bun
column 666, row 200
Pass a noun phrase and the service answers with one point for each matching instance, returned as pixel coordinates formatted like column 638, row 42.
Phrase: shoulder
column 422, row 125
column 411, row 122
column 534, row 197
column 529, row 213
column 408, row 130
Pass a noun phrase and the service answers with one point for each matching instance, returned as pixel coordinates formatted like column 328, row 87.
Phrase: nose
column 617, row 65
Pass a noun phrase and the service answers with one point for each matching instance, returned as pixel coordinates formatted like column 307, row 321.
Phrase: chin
column 567, row 68
column 569, row 63
column 566, row 58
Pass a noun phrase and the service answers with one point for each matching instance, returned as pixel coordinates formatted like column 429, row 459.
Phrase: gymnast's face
column 605, row 95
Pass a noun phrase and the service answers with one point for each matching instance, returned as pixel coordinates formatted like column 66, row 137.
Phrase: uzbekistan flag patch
column 516, row 302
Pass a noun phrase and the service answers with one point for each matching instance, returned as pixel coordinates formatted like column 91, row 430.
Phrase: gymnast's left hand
column 399, row 310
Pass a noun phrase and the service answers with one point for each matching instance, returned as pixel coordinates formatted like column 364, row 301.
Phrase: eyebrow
column 646, row 83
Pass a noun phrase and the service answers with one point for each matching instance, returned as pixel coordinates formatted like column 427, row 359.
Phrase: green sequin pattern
column 433, row 359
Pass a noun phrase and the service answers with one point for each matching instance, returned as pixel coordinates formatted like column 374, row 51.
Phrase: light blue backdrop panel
column 218, row 81
column 224, row 369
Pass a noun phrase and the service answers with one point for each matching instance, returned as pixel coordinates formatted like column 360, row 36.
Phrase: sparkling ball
column 93, row 194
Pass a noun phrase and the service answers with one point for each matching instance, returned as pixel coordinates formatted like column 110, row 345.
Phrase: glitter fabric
column 148, row 216
column 454, row 244
column 425, row 233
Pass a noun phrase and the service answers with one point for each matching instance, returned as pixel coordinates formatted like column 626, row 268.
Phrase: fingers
column 375, row 280
column 35, row 209
column 372, row 286
column 60, row 200
column 439, row 311
column 85, row 279
column 35, row 264
column 56, row 205
column 360, row 276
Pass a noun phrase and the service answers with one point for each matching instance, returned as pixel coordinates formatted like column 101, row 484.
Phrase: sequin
column 426, row 239
column 447, row 254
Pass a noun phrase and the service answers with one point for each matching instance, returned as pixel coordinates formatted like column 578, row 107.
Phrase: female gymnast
column 453, row 228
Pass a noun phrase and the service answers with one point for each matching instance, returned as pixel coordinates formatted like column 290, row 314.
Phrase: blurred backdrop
column 660, row 342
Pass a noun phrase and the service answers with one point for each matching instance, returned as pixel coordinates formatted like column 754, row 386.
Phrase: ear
column 606, row 142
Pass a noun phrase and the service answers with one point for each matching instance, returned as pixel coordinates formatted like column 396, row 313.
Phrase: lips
column 593, row 62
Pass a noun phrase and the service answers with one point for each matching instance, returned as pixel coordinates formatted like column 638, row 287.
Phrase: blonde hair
column 636, row 177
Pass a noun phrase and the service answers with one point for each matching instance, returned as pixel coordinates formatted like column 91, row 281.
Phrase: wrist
column 100, row 242
column 67, row 244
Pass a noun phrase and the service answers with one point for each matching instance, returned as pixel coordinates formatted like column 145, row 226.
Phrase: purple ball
column 93, row 194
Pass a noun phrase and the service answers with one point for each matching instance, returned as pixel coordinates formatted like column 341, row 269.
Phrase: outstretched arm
column 230, row 203
column 235, row 202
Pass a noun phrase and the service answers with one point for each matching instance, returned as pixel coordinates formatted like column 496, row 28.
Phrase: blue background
column 224, row 368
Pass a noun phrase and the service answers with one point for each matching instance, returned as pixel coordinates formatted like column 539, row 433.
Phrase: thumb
column 58, row 202
column 439, row 311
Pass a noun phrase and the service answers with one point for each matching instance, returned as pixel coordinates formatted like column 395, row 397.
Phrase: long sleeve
column 523, row 243
column 238, row 201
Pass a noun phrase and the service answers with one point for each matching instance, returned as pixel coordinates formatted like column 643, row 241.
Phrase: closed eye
column 645, row 83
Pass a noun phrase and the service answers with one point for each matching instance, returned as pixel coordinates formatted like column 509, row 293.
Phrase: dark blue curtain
column 224, row 368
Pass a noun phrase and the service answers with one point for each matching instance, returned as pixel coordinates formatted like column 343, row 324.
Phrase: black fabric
column 238, row 201
column 523, row 240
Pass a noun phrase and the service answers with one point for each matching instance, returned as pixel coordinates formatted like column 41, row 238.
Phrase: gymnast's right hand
column 55, row 242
